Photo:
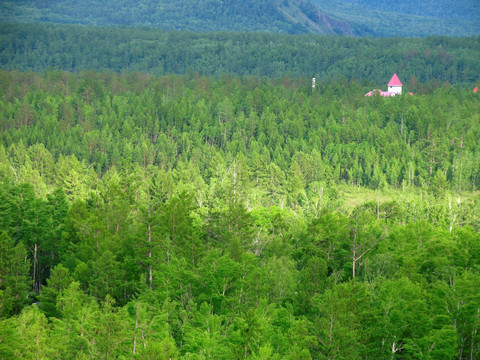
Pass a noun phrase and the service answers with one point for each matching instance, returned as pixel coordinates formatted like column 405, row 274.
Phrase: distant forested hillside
column 408, row 17
column 377, row 18
column 280, row 16
column 442, row 9
column 76, row 48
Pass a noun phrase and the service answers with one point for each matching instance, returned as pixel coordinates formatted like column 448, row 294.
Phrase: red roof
column 475, row 90
column 381, row 93
column 395, row 81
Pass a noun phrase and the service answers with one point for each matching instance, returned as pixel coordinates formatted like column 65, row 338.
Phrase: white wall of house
column 395, row 89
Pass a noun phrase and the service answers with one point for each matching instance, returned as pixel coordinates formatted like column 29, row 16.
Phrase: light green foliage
column 9, row 338
column 32, row 327
column 207, row 335
column 72, row 176
column 403, row 318
column 221, row 218
column 67, row 338
column 343, row 321
column 164, row 350
column 105, row 331
column 220, row 277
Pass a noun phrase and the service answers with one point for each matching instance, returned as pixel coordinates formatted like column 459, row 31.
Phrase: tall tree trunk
column 150, row 265
column 35, row 265
column 354, row 252
column 135, row 334
column 234, row 183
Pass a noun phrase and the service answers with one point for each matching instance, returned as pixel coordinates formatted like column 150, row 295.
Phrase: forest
column 193, row 216
column 40, row 48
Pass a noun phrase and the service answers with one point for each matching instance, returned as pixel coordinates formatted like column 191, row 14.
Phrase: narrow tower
column 395, row 85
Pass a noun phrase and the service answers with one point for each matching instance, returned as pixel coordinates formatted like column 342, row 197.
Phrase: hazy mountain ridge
column 461, row 9
column 281, row 16
column 407, row 18
column 378, row 18
column 351, row 17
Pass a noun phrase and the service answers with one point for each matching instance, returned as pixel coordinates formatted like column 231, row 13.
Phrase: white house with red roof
column 394, row 88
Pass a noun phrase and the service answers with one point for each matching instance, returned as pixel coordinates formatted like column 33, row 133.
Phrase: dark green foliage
column 40, row 48
column 59, row 280
column 14, row 281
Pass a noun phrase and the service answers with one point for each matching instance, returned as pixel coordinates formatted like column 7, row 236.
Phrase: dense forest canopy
column 195, row 217
column 74, row 48
column 101, row 117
